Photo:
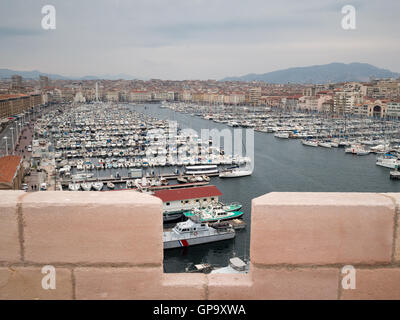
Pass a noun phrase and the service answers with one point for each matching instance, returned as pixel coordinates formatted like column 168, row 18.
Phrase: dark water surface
column 279, row 165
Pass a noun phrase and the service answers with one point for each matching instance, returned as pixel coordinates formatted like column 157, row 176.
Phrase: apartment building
column 13, row 104
column 255, row 96
column 393, row 109
column 344, row 101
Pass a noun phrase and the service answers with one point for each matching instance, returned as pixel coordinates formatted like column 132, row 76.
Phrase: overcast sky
column 195, row 39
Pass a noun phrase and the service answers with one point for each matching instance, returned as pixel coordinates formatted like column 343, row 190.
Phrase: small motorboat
column 110, row 185
column 181, row 179
column 98, row 185
column 74, row 186
column 86, row 186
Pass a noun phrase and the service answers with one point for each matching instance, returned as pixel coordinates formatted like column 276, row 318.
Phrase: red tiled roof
column 14, row 96
column 188, row 193
column 8, row 168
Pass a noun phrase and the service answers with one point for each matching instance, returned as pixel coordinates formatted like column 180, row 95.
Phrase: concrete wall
column 108, row 246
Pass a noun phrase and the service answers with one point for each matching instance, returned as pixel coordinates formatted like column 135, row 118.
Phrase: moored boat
column 74, row 186
column 86, row 186
column 388, row 161
column 98, row 185
column 201, row 170
column 110, row 185
column 211, row 214
column 235, row 173
column 310, row 143
column 190, row 233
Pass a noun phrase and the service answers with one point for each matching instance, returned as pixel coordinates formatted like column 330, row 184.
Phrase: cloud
column 195, row 38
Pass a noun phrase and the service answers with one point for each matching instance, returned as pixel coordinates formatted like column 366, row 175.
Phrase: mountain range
column 7, row 73
column 327, row 73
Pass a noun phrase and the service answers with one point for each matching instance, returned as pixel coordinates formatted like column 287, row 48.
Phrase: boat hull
column 198, row 240
column 235, row 174
column 172, row 216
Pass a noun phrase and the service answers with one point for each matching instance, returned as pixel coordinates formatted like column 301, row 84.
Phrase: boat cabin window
column 168, row 203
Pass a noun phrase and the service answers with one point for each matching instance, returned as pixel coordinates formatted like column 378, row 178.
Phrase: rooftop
column 188, row 193
column 8, row 168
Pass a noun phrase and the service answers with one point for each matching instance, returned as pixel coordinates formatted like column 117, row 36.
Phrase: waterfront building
column 393, row 109
column 13, row 104
column 140, row 96
column 377, row 108
column 112, row 96
column 176, row 200
column 344, row 100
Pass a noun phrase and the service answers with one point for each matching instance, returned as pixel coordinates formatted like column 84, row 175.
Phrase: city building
column 16, row 82
column 377, row 108
column 254, row 96
column 44, row 82
column 393, row 109
column 13, row 104
column 188, row 198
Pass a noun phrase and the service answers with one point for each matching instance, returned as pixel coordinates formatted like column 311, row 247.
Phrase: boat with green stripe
column 213, row 215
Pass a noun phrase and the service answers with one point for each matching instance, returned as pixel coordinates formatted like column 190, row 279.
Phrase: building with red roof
column 11, row 172
column 180, row 200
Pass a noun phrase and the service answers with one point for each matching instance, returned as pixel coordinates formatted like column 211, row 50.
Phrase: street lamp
column 16, row 130
column 12, row 139
column 6, row 138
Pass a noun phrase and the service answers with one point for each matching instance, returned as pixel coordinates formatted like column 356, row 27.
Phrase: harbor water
column 280, row 165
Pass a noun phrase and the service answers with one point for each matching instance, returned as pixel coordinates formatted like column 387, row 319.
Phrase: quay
column 168, row 176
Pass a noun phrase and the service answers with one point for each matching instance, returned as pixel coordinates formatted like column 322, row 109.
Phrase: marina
column 119, row 156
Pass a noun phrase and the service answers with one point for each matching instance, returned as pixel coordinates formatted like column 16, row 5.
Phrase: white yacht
column 201, row 169
column 310, row 143
column 325, row 144
column 282, row 135
column 235, row 173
